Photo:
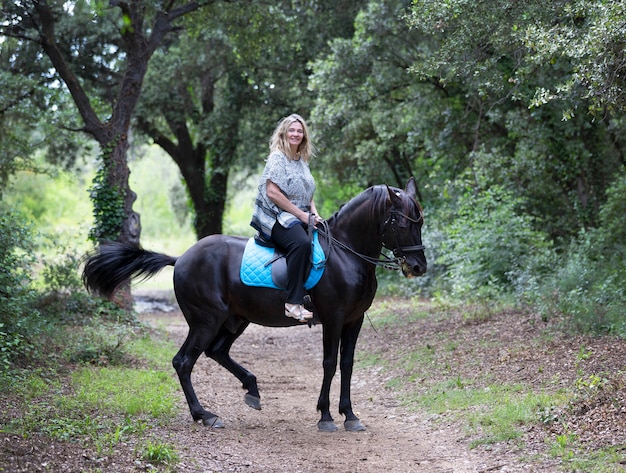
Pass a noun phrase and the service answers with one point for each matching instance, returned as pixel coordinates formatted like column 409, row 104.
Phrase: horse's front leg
column 329, row 364
column 349, row 336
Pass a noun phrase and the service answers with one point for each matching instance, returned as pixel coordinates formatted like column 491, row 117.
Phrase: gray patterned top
column 294, row 180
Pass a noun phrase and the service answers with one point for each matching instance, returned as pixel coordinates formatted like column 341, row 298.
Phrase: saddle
column 263, row 265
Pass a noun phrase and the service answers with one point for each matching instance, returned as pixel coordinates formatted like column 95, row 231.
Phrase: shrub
column 489, row 246
column 19, row 320
column 587, row 287
column 63, row 298
column 99, row 343
column 94, row 330
column 61, row 274
column 98, row 330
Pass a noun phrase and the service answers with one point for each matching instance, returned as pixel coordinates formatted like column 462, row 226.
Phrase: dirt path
column 283, row 437
column 508, row 347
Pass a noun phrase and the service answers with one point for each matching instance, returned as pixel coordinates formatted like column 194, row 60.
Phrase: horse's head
column 402, row 231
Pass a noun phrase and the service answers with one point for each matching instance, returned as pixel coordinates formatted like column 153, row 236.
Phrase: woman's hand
column 316, row 219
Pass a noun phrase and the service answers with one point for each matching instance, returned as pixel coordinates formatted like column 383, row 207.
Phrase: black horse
column 218, row 307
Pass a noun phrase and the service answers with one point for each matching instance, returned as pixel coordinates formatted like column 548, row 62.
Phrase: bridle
column 399, row 252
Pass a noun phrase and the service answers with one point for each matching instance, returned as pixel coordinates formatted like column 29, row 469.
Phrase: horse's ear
column 410, row 188
column 395, row 198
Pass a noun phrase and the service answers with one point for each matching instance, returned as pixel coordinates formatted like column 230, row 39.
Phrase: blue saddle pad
column 266, row 267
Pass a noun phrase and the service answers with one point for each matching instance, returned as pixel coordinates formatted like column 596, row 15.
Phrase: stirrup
column 298, row 312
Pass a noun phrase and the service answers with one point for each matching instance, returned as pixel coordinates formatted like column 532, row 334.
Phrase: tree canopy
column 539, row 84
column 224, row 82
column 99, row 54
column 519, row 103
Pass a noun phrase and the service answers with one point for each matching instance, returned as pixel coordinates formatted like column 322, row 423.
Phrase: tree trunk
column 207, row 198
column 118, row 175
column 209, row 220
column 139, row 43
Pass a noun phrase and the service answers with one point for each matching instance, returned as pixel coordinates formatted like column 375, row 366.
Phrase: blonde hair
column 278, row 141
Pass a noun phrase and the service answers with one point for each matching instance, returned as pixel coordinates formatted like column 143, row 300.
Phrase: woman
column 284, row 206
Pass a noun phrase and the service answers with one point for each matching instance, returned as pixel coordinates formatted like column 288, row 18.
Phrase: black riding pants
column 295, row 242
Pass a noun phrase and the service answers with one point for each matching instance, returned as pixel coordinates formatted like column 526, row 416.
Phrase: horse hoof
column 252, row 401
column 214, row 422
column 326, row 426
column 354, row 425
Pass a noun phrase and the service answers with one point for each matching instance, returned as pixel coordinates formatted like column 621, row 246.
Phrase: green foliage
column 159, row 452
column 23, row 326
column 18, row 116
column 506, row 113
column 23, row 301
column 12, row 342
column 586, row 287
column 101, row 344
column 528, row 74
column 35, row 113
column 64, row 300
column 157, row 353
column 611, row 233
column 19, row 320
column 101, row 331
column 585, row 292
column 488, row 245
column 16, row 247
column 108, row 202
column 130, row 398
column 487, row 58
column 128, row 391
column 62, row 274
column 55, row 201
column 590, row 36
column 370, row 115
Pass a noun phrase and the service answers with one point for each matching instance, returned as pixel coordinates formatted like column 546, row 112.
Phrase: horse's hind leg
column 197, row 341
column 219, row 350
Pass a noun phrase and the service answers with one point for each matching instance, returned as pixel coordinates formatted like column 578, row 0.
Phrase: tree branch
column 48, row 42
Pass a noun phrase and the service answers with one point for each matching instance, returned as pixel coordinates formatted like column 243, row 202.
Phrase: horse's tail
column 115, row 263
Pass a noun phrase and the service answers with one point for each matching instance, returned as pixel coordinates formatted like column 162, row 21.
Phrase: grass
column 606, row 460
column 159, row 452
column 368, row 360
column 95, row 394
column 123, row 390
column 100, row 406
column 32, row 385
column 157, row 353
column 493, row 413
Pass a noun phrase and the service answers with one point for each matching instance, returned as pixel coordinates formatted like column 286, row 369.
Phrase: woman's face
column 295, row 135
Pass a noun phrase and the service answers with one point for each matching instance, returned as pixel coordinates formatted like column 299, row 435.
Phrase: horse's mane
column 375, row 196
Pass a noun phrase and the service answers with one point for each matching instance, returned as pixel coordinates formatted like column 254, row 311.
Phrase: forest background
column 510, row 115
